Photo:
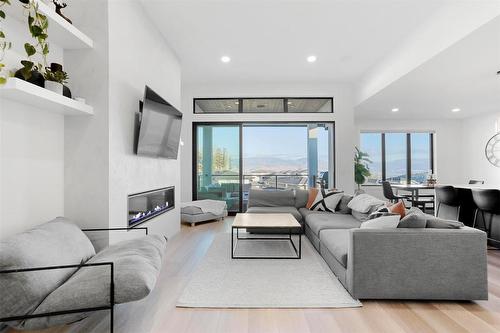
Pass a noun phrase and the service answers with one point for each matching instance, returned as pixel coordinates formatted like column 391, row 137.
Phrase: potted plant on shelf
column 38, row 25
column 4, row 44
column 55, row 78
column 361, row 169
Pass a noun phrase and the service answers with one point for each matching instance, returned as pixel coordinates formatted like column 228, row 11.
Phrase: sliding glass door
column 218, row 164
column 233, row 158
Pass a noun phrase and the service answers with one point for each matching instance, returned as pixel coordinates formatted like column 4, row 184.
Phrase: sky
column 396, row 151
column 286, row 142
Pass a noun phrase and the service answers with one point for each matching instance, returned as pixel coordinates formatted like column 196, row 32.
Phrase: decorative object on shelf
column 492, row 150
column 38, row 25
column 361, row 169
column 55, row 78
column 60, row 5
column 431, row 180
column 4, row 44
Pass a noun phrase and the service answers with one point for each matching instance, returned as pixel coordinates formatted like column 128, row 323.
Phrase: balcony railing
column 227, row 187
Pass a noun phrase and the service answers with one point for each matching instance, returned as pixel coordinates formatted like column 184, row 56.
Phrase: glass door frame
column 240, row 125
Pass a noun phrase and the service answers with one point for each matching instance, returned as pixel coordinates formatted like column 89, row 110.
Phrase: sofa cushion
column 55, row 243
column 318, row 222
column 313, row 192
column 337, row 242
column 326, row 201
column 301, row 198
column 271, row 198
column 413, row 221
column 137, row 263
column 363, row 203
column 437, row 223
column 342, row 207
column 276, row 210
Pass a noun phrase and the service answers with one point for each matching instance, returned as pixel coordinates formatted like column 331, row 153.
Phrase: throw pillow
column 313, row 192
column 437, row 223
column 378, row 211
column 413, row 221
column 398, row 208
column 387, row 221
column 342, row 206
column 361, row 217
column 364, row 202
column 326, row 201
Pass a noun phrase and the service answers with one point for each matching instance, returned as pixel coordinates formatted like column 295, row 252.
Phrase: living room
column 235, row 124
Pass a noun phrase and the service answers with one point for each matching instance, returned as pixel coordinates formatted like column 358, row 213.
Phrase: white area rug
column 222, row 282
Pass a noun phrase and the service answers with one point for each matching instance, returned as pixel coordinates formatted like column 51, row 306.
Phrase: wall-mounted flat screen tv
column 160, row 127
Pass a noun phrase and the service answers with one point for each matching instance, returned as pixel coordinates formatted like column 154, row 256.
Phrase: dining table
column 414, row 190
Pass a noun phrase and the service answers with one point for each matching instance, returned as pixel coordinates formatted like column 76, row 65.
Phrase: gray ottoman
column 193, row 215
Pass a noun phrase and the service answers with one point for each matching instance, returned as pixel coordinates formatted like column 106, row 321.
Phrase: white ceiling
column 269, row 40
column 463, row 76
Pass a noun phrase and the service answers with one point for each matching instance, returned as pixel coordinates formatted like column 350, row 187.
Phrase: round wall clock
column 492, row 150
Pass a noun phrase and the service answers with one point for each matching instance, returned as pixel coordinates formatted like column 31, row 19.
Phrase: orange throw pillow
column 398, row 208
column 313, row 192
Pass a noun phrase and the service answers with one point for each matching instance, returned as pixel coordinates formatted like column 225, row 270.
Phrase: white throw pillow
column 389, row 221
column 326, row 201
column 363, row 203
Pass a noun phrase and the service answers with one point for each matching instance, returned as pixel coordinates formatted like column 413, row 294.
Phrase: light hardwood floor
column 157, row 313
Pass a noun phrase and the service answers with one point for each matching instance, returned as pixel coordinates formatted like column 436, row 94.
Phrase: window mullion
column 383, row 156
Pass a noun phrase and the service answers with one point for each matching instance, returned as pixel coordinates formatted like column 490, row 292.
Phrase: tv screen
column 160, row 127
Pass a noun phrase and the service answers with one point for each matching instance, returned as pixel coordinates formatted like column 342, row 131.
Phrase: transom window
column 264, row 105
column 398, row 157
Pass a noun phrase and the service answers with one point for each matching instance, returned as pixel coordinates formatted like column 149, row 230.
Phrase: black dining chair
column 476, row 182
column 487, row 201
column 389, row 193
column 447, row 195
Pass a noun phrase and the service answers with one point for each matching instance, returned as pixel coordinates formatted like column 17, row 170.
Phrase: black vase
column 66, row 91
column 36, row 77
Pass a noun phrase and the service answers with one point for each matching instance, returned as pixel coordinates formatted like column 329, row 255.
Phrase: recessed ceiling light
column 395, row 110
column 455, row 110
column 311, row 58
column 225, row 59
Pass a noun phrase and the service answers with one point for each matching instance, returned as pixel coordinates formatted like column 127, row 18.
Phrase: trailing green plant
column 4, row 43
column 37, row 25
column 56, row 76
column 361, row 168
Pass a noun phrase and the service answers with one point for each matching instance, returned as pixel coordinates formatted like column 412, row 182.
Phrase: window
column 371, row 143
column 395, row 158
column 398, row 157
column 263, row 105
column 231, row 158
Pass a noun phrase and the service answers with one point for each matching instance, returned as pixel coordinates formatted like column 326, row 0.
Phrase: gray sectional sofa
column 401, row 263
column 51, row 275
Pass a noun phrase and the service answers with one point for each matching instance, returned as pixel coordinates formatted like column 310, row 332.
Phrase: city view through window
column 275, row 157
column 397, row 157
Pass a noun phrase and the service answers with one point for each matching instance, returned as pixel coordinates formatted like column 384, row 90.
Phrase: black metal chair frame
column 109, row 307
column 486, row 229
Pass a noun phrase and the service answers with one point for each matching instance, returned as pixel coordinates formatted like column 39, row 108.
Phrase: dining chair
column 447, row 195
column 389, row 193
column 476, row 182
column 487, row 201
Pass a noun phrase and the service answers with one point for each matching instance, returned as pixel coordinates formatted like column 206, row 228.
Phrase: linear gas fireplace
column 146, row 205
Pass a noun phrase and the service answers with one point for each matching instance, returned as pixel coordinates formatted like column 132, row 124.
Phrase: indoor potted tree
column 361, row 169
column 55, row 78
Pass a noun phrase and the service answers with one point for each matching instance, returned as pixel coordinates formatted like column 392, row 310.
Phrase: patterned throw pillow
column 326, row 201
column 379, row 211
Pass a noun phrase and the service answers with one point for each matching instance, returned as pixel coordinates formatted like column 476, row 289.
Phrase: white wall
column 343, row 117
column 475, row 133
column 138, row 55
column 31, row 149
column 447, row 150
column 86, row 139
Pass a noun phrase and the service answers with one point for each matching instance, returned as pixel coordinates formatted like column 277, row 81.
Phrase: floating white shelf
column 27, row 93
column 61, row 32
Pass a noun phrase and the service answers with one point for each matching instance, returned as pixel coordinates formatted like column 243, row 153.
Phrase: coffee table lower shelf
column 297, row 249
